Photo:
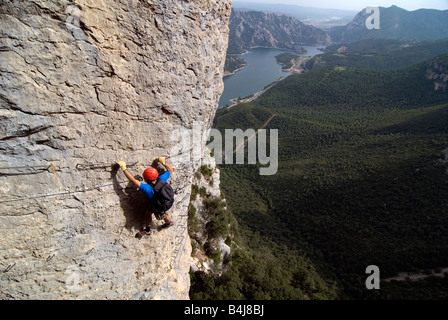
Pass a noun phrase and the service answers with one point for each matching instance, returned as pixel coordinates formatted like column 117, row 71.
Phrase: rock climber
column 152, row 178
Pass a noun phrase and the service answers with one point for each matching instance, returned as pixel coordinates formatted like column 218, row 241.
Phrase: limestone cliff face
column 82, row 84
column 208, row 186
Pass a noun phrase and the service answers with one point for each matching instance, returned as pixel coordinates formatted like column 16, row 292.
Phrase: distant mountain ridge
column 256, row 28
column 395, row 23
column 318, row 17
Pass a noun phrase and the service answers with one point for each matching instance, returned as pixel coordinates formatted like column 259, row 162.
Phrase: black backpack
column 164, row 195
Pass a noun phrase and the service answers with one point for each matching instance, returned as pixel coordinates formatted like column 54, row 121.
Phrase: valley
column 355, row 168
column 362, row 179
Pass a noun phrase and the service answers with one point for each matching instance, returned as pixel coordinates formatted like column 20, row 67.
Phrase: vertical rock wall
column 82, row 84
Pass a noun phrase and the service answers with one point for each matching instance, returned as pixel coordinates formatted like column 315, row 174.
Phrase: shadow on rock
column 132, row 201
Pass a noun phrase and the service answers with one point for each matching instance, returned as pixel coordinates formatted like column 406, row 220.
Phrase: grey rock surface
column 82, row 84
column 272, row 30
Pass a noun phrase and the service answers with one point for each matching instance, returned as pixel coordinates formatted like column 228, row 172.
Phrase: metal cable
column 35, row 170
column 88, row 166
column 93, row 166
column 69, row 192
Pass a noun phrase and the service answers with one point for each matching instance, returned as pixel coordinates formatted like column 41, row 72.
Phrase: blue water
column 262, row 69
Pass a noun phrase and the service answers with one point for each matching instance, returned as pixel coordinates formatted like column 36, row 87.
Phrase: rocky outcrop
column 206, row 183
column 256, row 28
column 82, row 84
column 438, row 71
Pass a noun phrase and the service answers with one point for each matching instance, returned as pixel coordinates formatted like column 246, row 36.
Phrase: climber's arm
column 131, row 178
column 128, row 175
column 167, row 166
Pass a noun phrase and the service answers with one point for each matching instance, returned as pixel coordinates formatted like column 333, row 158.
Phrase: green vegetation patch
column 360, row 180
column 286, row 59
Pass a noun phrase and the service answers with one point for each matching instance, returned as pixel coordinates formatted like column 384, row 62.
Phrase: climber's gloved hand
column 162, row 160
column 122, row 165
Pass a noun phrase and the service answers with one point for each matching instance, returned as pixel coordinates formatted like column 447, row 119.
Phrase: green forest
column 379, row 53
column 233, row 63
column 286, row 59
column 362, row 180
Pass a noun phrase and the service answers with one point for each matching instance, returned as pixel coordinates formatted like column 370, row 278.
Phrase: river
column 261, row 70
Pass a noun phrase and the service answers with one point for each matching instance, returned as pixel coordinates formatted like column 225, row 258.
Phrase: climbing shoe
column 166, row 225
column 145, row 232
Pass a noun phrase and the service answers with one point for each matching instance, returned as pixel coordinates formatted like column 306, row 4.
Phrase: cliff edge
column 82, row 84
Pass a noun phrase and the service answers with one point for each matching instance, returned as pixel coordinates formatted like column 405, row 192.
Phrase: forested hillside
column 379, row 53
column 362, row 176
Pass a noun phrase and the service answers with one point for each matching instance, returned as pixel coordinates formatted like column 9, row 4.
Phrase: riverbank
column 296, row 68
column 229, row 73
column 300, row 50
column 236, row 102
column 262, row 69
column 297, row 65
column 233, row 64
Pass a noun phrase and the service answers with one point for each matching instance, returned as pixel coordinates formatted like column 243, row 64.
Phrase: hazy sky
column 358, row 5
